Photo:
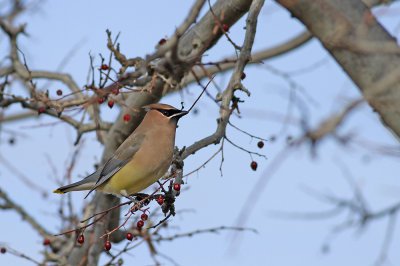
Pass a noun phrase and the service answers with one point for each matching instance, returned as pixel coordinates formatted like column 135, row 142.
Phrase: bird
column 140, row 160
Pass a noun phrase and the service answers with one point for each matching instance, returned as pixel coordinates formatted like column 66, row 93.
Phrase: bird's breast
column 149, row 163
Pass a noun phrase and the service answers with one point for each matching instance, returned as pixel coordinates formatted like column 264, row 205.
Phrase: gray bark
column 362, row 47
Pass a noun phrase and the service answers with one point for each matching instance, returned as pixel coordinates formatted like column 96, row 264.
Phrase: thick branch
column 350, row 32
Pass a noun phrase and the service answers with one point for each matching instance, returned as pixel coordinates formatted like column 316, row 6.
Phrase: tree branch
column 24, row 215
column 229, row 62
column 346, row 26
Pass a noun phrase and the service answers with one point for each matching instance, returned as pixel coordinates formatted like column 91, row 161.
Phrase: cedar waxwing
column 140, row 160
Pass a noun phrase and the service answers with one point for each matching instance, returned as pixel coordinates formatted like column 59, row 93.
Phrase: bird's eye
column 164, row 112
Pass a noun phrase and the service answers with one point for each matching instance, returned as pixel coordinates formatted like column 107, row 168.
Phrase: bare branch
column 331, row 124
column 388, row 239
column 23, row 256
column 24, row 215
column 229, row 63
column 234, row 83
column 210, row 230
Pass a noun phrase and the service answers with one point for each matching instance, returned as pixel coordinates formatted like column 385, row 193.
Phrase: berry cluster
column 139, row 225
column 81, row 240
column 253, row 164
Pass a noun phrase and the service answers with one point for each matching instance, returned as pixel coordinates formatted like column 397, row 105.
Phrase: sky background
column 55, row 28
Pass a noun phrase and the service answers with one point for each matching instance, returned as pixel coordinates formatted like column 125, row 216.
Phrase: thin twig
column 245, row 132
column 200, row 231
column 198, row 98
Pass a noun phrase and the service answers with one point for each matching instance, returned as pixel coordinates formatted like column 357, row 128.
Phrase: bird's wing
column 84, row 184
column 121, row 157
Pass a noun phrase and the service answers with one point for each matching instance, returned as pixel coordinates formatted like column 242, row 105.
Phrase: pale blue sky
column 58, row 26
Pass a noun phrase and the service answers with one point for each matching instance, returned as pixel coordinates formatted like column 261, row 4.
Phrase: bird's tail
column 85, row 184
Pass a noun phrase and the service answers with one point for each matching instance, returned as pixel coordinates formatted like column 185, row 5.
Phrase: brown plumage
column 140, row 160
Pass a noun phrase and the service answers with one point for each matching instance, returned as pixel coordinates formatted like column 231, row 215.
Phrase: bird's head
column 164, row 112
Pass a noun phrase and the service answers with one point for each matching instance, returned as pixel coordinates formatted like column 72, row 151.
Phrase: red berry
column 160, row 200
column 225, row 27
column 115, row 91
column 81, row 239
column 162, row 41
column 144, row 217
column 127, row 117
column 100, row 100
column 105, row 67
column 177, row 187
column 129, row 236
column 41, row 109
column 59, row 92
column 110, row 103
column 46, row 242
column 107, row 245
column 3, row 250
column 243, row 76
column 260, row 144
column 140, row 224
column 253, row 165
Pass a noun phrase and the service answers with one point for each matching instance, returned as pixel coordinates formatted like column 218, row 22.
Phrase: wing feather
column 122, row 156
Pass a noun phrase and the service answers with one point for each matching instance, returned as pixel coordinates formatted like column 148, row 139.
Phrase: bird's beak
column 179, row 115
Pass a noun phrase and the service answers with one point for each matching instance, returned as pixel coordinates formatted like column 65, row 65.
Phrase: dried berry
column 107, row 245
column 160, row 200
column 177, row 187
column 253, row 165
column 260, row 144
column 81, row 239
column 140, row 224
column 127, row 117
column 144, row 217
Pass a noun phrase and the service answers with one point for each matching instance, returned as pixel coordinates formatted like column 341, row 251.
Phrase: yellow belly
column 145, row 168
column 132, row 179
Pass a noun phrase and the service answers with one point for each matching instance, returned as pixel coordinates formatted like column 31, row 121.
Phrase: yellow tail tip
column 58, row 191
